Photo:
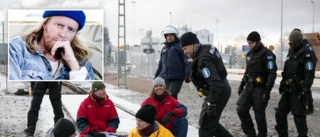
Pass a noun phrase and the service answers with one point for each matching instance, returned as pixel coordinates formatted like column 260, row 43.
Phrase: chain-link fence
column 142, row 64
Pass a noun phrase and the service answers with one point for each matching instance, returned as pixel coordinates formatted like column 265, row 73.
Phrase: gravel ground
column 14, row 111
column 229, row 118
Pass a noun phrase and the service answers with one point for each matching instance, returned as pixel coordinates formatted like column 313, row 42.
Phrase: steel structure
column 122, row 58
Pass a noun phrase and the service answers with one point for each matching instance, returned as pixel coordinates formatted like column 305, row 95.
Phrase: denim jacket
column 24, row 65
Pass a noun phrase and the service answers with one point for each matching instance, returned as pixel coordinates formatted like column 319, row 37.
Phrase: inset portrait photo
column 55, row 44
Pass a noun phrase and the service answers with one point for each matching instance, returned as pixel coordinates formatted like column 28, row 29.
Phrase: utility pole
column 281, row 34
column 6, row 63
column 218, row 35
column 170, row 17
column 122, row 57
column 133, row 2
column 3, row 32
column 149, row 51
column 313, row 17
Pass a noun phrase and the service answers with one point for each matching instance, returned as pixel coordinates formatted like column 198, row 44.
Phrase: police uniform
column 309, row 93
column 297, row 79
column 260, row 74
column 209, row 75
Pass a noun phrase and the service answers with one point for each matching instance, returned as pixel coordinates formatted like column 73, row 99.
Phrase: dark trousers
column 180, row 126
column 252, row 97
column 174, row 86
column 287, row 103
column 38, row 91
column 210, row 127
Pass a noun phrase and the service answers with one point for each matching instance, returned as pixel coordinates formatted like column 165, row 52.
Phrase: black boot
column 310, row 109
column 29, row 131
column 20, row 92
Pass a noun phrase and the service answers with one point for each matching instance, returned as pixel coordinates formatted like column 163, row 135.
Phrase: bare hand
column 67, row 54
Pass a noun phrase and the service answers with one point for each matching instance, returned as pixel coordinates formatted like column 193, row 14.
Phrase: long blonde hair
column 153, row 94
column 81, row 50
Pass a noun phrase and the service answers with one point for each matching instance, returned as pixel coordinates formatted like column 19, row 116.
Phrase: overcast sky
column 237, row 18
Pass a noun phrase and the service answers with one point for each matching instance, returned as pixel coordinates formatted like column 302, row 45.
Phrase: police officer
column 297, row 79
column 208, row 74
column 259, row 77
column 309, row 93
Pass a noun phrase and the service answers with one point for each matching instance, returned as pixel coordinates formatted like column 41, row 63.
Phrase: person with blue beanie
column 52, row 51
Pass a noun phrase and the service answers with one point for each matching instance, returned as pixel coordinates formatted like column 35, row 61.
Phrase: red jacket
column 97, row 116
column 163, row 107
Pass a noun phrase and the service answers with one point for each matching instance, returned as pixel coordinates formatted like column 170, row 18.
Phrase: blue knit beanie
column 77, row 15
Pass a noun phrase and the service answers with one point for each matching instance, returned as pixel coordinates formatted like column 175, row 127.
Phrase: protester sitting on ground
column 63, row 128
column 146, row 124
column 170, row 113
column 97, row 113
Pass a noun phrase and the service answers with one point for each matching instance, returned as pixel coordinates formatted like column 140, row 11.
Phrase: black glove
column 100, row 135
column 187, row 79
column 95, row 133
column 265, row 97
column 303, row 93
column 167, row 118
column 212, row 111
column 304, row 90
column 283, row 87
column 240, row 90
column 242, row 84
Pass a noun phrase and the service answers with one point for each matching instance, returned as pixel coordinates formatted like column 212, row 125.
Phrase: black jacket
column 208, row 71
column 262, row 63
column 300, row 64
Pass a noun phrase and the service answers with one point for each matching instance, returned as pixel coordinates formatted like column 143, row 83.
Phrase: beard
column 47, row 46
column 49, row 42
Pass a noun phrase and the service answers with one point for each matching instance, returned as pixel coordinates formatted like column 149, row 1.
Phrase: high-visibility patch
column 248, row 58
column 211, row 51
column 309, row 65
column 164, row 50
column 218, row 55
column 270, row 65
column 310, row 48
column 269, row 57
column 307, row 55
column 288, row 58
column 206, row 72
